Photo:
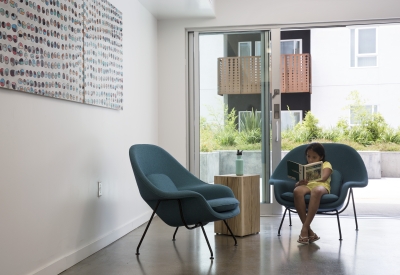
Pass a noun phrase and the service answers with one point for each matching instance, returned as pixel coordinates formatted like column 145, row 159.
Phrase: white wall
column 236, row 13
column 333, row 79
column 53, row 152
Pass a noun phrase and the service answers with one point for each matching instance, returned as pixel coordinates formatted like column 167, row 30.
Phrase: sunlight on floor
column 384, row 190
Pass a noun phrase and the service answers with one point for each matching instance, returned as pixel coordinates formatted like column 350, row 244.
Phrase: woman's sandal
column 313, row 238
column 303, row 240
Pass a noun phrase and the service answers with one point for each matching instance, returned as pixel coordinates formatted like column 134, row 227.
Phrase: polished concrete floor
column 374, row 249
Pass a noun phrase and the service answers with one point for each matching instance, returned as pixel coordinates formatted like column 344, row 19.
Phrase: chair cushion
column 327, row 198
column 162, row 182
column 223, row 204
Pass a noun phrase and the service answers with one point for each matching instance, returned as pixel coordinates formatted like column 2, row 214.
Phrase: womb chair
column 348, row 171
column 177, row 196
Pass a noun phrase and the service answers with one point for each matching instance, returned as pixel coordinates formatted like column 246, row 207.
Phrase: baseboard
column 58, row 266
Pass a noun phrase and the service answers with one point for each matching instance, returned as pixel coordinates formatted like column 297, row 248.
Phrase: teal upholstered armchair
column 348, row 172
column 177, row 196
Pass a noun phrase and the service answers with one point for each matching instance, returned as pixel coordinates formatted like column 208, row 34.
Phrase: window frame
column 354, row 54
column 257, row 48
column 245, row 42
column 294, row 41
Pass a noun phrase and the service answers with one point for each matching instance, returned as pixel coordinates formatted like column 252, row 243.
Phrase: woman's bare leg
column 300, row 204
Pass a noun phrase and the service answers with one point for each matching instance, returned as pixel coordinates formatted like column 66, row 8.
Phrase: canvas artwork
column 103, row 54
column 42, row 50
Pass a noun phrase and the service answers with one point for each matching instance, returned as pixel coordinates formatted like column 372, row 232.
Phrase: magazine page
column 313, row 171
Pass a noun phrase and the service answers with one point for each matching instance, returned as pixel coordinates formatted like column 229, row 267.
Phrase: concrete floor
column 374, row 249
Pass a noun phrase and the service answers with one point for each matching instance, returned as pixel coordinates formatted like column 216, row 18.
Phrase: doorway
column 230, row 103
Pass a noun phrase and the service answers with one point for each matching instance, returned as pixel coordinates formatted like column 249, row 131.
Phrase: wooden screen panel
column 239, row 75
column 250, row 75
column 295, row 73
column 228, row 75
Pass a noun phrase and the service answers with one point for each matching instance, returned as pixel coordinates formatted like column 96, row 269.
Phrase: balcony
column 295, row 73
column 242, row 75
column 239, row 75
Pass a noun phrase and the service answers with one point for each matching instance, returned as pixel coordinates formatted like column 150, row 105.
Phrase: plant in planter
column 250, row 127
column 227, row 134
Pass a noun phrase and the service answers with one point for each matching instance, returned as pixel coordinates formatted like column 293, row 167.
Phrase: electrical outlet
column 100, row 191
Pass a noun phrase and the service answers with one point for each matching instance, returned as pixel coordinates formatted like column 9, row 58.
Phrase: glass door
column 230, row 105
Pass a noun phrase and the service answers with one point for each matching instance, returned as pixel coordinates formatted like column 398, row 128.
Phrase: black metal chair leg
column 290, row 219
column 280, row 226
column 176, row 230
column 340, row 231
column 230, row 232
column 147, row 227
column 354, row 208
column 208, row 243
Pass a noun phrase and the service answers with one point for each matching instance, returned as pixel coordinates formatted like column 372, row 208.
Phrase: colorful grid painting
column 103, row 54
column 43, row 46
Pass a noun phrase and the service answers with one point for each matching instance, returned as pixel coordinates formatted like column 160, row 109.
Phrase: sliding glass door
column 230, row 104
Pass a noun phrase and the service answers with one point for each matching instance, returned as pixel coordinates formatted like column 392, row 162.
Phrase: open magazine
column 309, row 172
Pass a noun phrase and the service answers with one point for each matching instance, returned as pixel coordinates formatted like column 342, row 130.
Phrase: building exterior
column 343, row 60
column 335, row 72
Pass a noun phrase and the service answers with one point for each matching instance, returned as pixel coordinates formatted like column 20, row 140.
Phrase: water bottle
column 239, row 163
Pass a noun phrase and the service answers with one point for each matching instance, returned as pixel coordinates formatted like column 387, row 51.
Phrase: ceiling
column 174, row 9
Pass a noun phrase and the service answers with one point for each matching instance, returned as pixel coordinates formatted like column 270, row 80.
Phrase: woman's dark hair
column 317, row 148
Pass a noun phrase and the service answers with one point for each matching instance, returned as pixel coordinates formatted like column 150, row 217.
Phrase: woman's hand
column 301, row 182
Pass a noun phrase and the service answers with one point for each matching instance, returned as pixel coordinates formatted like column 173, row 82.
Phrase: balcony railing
column 239, row 75
column 242, row 75
column 296, row 73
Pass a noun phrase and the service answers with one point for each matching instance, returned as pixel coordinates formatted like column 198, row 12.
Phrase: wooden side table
column 247, row 190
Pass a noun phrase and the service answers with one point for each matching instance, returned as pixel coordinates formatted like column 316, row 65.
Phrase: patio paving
column 380, row 198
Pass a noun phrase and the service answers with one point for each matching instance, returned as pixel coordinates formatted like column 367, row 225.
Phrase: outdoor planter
column 378, row 164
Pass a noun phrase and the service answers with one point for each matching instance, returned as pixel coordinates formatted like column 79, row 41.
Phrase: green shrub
column 250, row 121
column 250, row 128
column 375, row 124
column 369, row 126
column 332, row 134
column 370, row 133
column 227, row 134
column 360, row 135
column 310, row 124
column 250, row 136
column 226, row 138
column 391, row 136
column 343, row 128
column 305, row 131
column 207, row 140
